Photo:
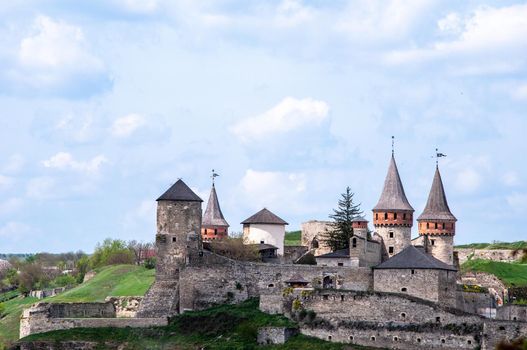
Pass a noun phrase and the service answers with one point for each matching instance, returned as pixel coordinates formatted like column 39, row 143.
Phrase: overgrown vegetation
column 232, row 327
column 234, row 248
column 293, row 238
column 512, row 274
column 495, row 245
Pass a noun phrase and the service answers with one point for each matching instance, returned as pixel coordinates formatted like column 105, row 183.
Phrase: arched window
column 436, row 225
column 395, row 216
column 385, row 216
column 354, row 243
column 314, row 243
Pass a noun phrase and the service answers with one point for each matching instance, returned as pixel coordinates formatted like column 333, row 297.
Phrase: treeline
column 46, row 270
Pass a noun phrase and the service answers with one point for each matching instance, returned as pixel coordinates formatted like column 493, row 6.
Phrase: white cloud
column 55, row 58
column 10, row 206
column 6, row 182
column 139, row 6
column 127, row 125
column 290, row 13
column 520, row 92
column 290, row 114
column 491, row 31
column 367, row 21
column 78, row 128
column 65, row 161
column 450, row 24
column 14, row 164
column 15, row 230
column 274, row 190
column 41, row 188
column 518, row 202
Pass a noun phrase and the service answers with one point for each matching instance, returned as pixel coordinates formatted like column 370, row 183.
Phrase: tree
column 140, row 250
column 111, row 252
column 339, row 234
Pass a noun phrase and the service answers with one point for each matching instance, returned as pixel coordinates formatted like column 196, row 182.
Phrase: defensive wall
column 506, row 255
column 45, row 317
column 396, row 321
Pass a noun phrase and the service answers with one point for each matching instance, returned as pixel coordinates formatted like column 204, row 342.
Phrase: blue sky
column 105, row 104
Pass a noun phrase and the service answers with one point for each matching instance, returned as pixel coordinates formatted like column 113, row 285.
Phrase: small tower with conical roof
column 214, row 226
column 437, row 224
column 393, row 214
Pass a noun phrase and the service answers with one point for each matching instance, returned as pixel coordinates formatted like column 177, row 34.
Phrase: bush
column 150, row 263
column 63, row 281
column 111, row 252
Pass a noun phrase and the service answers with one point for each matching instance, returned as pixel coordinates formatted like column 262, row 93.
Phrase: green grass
column 512, row 274
column 293, row 238
column 220, row 328
column 117, row 280
column 495, row 245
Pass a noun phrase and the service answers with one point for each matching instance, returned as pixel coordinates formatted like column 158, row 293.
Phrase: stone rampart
column 45, row 317
column 512, row 312
column 213, row 279
column 293, row 253
column 488, row 254
column 275, row 335
column 125, row 306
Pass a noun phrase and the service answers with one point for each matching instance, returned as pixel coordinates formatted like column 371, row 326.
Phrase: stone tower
column 178, row 241
column 360, row 227
column 393, row 214
column 214, row 225
column 436, row 224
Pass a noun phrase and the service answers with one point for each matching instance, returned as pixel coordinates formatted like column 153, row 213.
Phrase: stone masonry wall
column 424, row 284
column 512, row 313
column 400, row 240
column 487, row 254
column 315, row 229
column 216, row 279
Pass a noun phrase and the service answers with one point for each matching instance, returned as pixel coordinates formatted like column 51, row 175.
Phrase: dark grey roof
column 180, row 192
column 296, row 279
column 264, row 216
column 213, row 215
column 437, row 206
column 414, row 258
column 359, row 219
column 393, row 197
column 342, row 253
column 263, row 246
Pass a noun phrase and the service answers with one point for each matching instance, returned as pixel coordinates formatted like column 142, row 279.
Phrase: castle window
column 395, row 338
column 262, row 242
column 390, row 250
column 376, row 216
column 443, row 225
column 427, row 225
column 354, row 243
column 395, row 216
column 325, row 297
column 443, row 341
column 403, row 289
column 438, row 319
column 329, row 337
column 215, row 231
column 418, row 340
column 270, row 285
column 514, row 319
column 413, row 272
column 340, row 264
column 469, row 342
column 372, row 338
column 432, row 241
column 404, row 216
column 502, row 328
column 436, row 225
column 403, row 315
column 173, row 239
column 391, row 234
column 385, row 216
column 351, row 338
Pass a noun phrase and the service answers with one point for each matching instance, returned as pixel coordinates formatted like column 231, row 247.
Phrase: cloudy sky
column 105, row 104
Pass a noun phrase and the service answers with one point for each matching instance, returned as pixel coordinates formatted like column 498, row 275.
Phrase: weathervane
column 439, row 155
column 393, row 146
column 213, row 176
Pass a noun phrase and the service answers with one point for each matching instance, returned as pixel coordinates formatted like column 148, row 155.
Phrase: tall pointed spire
column 213, row 215
column 437, row 206
column 393, row 196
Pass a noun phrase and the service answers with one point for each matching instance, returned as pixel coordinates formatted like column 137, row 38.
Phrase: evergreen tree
column 338, row 236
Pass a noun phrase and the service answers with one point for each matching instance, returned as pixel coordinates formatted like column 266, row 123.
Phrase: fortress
column 386, row 290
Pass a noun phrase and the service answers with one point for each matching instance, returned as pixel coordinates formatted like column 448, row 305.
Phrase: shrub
column 111, row 252
column 150, row 263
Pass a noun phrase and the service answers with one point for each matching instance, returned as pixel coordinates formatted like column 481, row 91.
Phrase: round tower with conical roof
column 214, row 226
column 437, row 224
column 393, row 214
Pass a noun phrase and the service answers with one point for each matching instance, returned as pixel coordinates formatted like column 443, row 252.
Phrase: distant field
column 292, row 238
column 117, row 280
column 495, row 245
column 225, row 327
column 512, row 274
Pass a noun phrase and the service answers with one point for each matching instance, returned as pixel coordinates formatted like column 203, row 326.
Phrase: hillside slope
column 512, row 274
column 117, row 280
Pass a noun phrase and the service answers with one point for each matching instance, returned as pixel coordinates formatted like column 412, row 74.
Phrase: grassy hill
column 223, row 327
column 495, row 245
column 512, row 274
column 117, row 280
column 292, row 238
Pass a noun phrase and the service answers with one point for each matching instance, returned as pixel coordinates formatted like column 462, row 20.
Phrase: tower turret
column 214, row 225
column 393, row 214
column 437, row 224
column 360, row 227
column 178, row 229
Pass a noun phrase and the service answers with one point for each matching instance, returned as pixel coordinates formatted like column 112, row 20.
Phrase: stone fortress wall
column 506, row 255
